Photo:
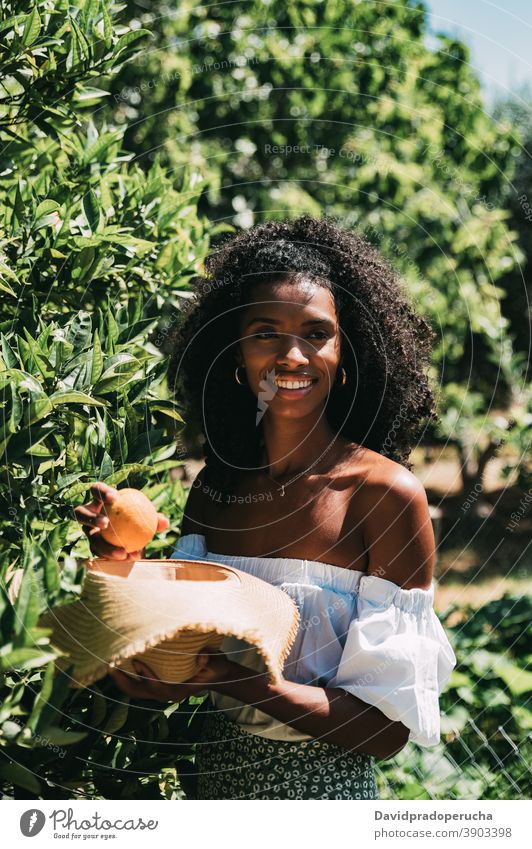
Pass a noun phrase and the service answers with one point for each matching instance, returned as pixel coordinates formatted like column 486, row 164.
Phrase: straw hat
column 167, row 611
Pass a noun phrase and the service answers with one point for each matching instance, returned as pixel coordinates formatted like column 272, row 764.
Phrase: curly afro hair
column 386, row 345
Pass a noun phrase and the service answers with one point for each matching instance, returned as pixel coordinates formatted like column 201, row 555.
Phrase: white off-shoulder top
column 361, row 633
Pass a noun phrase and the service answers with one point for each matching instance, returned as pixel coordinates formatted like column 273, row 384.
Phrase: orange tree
column 93, row 252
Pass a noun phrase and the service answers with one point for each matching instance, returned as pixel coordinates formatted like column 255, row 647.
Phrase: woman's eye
column 270, row 334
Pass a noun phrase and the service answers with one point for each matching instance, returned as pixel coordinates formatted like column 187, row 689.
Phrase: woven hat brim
column 169, row 621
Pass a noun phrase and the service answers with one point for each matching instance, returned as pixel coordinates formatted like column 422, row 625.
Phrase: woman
column 302, row 365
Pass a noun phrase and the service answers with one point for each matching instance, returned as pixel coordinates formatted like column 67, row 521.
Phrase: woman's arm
column 326, row 713
column 193, row 521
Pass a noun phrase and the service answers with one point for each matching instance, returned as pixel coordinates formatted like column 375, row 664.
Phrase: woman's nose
column 292, row 351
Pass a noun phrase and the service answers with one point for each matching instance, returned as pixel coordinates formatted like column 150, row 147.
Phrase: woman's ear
column 238, row 355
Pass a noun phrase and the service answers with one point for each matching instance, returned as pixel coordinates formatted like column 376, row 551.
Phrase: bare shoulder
column 397, row 527
column 386, row 476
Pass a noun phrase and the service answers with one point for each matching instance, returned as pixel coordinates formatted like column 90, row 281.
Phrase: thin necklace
column 281, row 486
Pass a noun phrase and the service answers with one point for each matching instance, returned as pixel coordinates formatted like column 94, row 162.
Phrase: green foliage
column 49, row 51
column 93, row 254
column 516, row 109
column 80, row 223
column 486, row 712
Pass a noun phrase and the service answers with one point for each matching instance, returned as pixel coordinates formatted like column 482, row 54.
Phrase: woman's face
column 290, row 346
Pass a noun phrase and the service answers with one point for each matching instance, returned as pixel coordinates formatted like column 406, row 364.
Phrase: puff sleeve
column 397, row 656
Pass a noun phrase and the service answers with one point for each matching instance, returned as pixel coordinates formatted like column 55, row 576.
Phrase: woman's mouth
column 294, row 388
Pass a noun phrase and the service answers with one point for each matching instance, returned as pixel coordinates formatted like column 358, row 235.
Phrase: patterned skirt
column 233, row 764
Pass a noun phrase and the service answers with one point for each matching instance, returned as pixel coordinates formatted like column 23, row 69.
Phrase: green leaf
column 88, row 14
column 93, row 95
column 119, row 370
column 78, row 52
column 112, row 332
column 122, row 361
column 73, row 397
column 34, row 352
column 14, row 773
column 19, row 208
column 70, row 494
column 5, row 287
column 54, row 736
column 67, row 480
column 107, row 26
column 83, row 262
column 51, row 575
column 98, row 707
column 118, row 716
column 91, row 209
column 41, row 451
column 97, row 358
column 138, row 328
column 28, row 604
column 111, row 384
column 32, row 28
column 518, row 680
column 42, row 696
column 126, row 471
column 79, row 331
column 106, row 468
column 413, row 790
column 168, row 408
column 8, row 355
column 129, row 38
column 25, row 380
column 46, row 207
column 11, row 22
column 37, row 410
column 132, row 420
column 95, row 151
column 25, row 659
column 15, row 414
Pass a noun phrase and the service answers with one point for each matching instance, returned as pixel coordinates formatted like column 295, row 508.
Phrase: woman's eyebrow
column 323, row 321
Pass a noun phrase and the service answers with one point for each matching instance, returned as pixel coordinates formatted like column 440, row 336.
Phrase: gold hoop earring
column 344, row 377
column 240, row 382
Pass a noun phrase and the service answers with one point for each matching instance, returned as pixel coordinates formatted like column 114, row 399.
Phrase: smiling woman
column 371, row 341
column 302, row 367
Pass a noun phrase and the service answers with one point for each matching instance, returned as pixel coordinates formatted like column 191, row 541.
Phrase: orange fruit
column 132, row 520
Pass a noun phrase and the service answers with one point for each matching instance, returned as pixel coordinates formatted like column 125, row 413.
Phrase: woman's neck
column 292, row 446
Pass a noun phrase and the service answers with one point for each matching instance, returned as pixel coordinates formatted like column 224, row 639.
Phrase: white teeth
column 293, row 384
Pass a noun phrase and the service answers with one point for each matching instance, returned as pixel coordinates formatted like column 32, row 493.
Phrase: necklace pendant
column 282, row 489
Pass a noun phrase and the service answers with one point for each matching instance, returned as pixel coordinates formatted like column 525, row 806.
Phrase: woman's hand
column 215, row 668
column 89, row 517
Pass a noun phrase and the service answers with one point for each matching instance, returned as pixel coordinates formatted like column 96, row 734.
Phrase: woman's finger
column 86, row 516
column 128, row 684
column 104, row 549
column 144, row 671
column 102, row 492
column 142, row 687
column 202, row 659
column 90, row 513
column 163, row 522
